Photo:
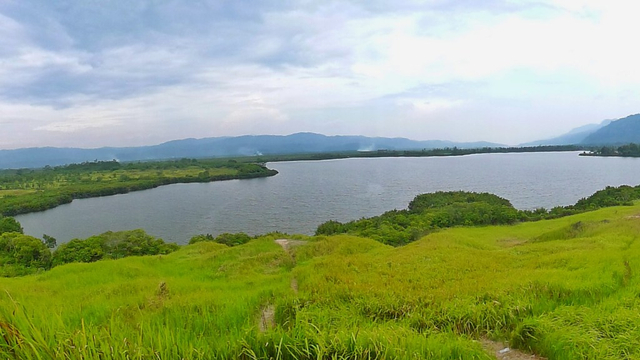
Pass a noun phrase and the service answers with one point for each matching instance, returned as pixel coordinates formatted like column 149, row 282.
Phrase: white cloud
column 75, row 125
column 327, row 67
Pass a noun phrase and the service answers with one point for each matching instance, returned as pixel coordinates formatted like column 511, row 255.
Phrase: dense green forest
column 28, row 190
column 429, row 212
column 629, row 150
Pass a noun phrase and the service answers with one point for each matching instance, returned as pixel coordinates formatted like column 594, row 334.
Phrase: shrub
column 111, row 245
column 225, row 239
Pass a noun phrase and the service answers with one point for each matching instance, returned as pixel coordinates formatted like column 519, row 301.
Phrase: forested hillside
column 619, row 132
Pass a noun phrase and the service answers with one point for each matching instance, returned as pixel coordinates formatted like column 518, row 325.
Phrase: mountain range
column 619, row 132
column 300, row 143
column 608, row 132
column 573, row 137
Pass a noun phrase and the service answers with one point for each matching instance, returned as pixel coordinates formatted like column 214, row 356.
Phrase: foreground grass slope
column 564, row 288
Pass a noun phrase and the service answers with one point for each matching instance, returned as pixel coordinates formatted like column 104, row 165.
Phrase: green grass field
column 15, row 192
column 563, row 289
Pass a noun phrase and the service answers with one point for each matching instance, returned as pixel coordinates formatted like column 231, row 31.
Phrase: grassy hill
column 565, row 289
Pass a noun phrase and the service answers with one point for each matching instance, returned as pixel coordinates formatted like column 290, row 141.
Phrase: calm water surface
column 307, row 193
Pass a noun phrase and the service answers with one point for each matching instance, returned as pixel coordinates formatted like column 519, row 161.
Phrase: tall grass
column 564, row 288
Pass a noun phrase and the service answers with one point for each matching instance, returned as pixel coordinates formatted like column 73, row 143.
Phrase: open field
column 15, row 192
column 563, row 289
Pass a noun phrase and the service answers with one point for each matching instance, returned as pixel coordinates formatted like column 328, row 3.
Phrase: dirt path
column 267, row 318
column 287, row 244
column 502, row 352
column 267, row 314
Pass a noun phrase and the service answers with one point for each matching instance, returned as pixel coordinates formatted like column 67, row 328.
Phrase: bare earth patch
column 502, row 352
column 267, row 318
column 267, row 314
column 287, row 244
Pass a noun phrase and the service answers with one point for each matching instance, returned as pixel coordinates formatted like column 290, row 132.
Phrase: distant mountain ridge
column 247, row 145
column 575, row 136
column 619, row 132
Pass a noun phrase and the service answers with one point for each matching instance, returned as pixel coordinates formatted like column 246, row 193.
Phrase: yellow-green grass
column 565, row 288
column 107, row 176
column 15, row 192
column 151, row 173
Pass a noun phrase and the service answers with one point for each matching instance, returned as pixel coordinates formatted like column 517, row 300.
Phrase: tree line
column 446, row 151
column 628, row 150
column 22, row 254
column 429, row 212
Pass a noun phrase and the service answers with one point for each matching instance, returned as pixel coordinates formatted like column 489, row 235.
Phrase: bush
column 23, row 251
column 200, row 238
column 9, row 224
column 225, row 239
column 111, row 245
column 233, row 239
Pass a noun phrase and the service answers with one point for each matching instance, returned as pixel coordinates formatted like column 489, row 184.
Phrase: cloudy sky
column 120, row 72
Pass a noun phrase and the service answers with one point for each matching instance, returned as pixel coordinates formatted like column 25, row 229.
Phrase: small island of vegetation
column 628, row 150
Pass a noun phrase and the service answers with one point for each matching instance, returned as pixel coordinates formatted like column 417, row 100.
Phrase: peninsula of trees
column 29, row 190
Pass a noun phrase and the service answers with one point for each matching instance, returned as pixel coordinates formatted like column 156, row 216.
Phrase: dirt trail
column 267, row 318
column 502, row 352
column 267, row 314
column 287, row 244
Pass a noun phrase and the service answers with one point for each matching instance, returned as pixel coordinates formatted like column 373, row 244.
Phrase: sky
column 89, row 73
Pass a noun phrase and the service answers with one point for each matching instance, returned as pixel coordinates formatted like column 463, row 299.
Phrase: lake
column 306, row 193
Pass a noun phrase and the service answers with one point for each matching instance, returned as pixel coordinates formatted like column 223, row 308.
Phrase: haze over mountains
column 608, row 132
column 575, row 136
column 619, row 132
column 299, row 143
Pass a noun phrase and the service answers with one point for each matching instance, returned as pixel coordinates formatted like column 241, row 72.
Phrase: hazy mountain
column 221, row 147
column 618, row 132
column 575, row 136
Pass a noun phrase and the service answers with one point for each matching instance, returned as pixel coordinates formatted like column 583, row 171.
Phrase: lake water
column 306, row 193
